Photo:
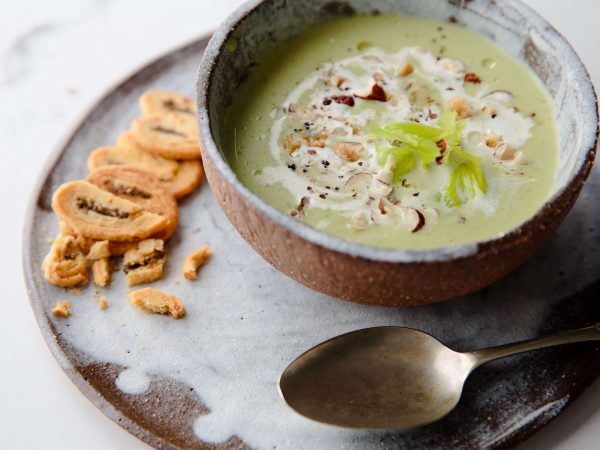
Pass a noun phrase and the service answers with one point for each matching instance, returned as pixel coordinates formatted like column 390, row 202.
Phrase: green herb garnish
column 467, row 176
column 414, row 142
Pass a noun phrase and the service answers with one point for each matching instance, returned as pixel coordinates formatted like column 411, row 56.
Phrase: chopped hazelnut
column 453, row 65
column 501, row 96
column 319, row 139
column 460, row 106
column 413, row 218
column 386, row 174
column 492, row 140
column 421, row 93
column 432, row 213
column 489, row 111
column 471, row 77
column 406, row 70
column 350, row 151
column 292, row 143
column 377, row 93
column 520, row 158
column 504, row 152
column 339, row 131
column 360, row 221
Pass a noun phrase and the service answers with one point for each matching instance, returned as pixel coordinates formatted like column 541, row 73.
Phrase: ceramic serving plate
column 210, row 379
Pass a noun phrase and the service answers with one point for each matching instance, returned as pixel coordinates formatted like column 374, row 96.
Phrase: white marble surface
column 56, row 58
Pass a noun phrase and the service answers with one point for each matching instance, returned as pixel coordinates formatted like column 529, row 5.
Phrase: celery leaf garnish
column 467, row 177
column 405, row 160
column 414, row 142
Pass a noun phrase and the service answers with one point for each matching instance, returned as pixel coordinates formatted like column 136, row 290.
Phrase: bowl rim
column 380, row 254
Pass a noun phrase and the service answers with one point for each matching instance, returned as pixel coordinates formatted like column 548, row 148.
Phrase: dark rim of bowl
column 320, row 238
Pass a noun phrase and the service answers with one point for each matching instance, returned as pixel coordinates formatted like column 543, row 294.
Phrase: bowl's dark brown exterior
column 385, row 283
column 367, row 278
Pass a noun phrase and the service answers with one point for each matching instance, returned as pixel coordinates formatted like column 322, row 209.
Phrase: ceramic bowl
column 382, row 276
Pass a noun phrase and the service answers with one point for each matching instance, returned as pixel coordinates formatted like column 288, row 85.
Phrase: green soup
column 395, row 132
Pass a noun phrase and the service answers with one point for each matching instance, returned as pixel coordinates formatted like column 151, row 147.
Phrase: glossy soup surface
column 312, row 129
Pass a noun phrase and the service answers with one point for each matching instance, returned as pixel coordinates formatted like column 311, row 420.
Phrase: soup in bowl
column 394, row 153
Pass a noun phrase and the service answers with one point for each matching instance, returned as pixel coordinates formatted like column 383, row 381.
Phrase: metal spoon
column 391, row 377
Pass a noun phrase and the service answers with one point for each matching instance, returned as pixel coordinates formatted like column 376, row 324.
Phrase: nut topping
column 501, row 96
column 471, row 77
column 460, row 106
column 360, row 221
column 414, row 219
column 406, row 70
column 520, row 158
column 350, row 151
column 490, row 111
column 386, row 174
column 504, row 152
column 452, row 65
column 377, row 93
column 492, row 140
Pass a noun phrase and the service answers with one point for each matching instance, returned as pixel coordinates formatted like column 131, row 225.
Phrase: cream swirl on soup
column 395, row 132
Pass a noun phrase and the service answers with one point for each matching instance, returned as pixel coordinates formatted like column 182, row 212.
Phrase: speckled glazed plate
column 209, row 380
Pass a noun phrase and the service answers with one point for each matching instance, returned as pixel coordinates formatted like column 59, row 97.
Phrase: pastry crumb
column 103, row 303
column 195, row 261
column 62, row 309
column 99, row 250
column 155, row 301
column 101, row 272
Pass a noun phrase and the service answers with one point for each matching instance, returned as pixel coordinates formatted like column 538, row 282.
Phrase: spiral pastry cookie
column 100, row 215
column 142, row 188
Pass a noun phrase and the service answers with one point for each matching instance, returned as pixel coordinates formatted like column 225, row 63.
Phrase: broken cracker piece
column 195, row 261
column 99, row 250
column 65, row 265
column 145, row 263
column 101, row 272
column 62, row 309
column 155, row 301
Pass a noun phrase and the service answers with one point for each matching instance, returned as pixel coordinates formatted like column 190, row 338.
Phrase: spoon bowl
column 377, row 378
column 391, row 377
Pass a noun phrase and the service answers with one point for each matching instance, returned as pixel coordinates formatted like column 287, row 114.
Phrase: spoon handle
column 568, row 337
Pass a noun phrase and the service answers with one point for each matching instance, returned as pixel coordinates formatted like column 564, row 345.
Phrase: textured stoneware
column 379, row 276
column 214, row 373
